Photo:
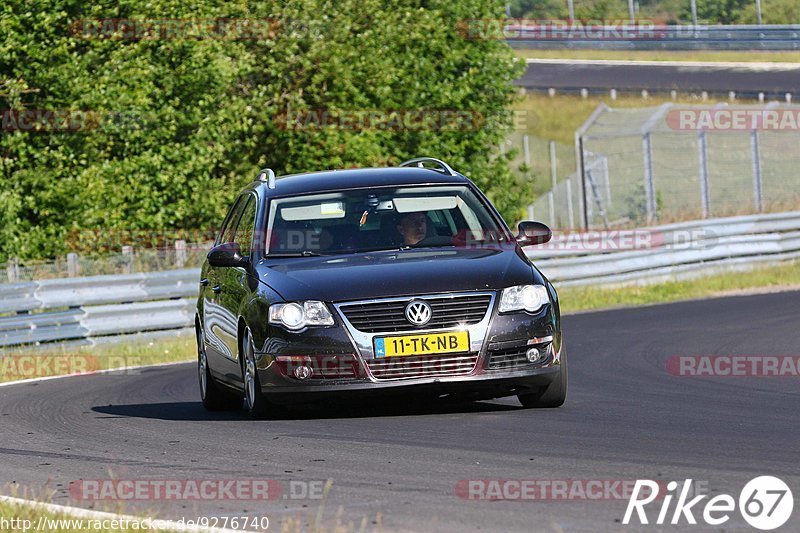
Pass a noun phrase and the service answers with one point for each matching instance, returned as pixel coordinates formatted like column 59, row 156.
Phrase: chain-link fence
column 546, row 167
column 677, row 162
column 130, row 261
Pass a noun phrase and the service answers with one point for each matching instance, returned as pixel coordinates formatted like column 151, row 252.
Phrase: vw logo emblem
column 418, row 313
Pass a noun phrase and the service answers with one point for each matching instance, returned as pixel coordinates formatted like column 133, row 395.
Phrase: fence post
column 758, row 192
column 127, row 255
column 180, row 253
column 649, row 185
column 600, row 209
column 580, row 160
column 553, row 164
column 570, row 213
column 702, row 150
column 584, row 207
column 12, row 269
column 551, row 205
column 531, row 213
column 526, row 150
column 72, row 264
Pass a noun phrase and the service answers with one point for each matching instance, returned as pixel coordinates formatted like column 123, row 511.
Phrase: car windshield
column 363, row 220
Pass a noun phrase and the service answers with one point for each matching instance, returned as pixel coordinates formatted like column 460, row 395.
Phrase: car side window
column 228, row 227
column 244, row 230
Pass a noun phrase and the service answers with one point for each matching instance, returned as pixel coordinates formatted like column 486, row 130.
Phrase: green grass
column 659, row 55
column 17, row 364
column 31, row 514
column 557, row 117
column 768, row 279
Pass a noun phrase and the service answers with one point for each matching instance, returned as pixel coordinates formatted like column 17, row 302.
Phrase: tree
column 184, row 122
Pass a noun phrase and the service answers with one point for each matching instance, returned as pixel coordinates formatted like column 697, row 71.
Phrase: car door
column 237, row 289
column 213, row 316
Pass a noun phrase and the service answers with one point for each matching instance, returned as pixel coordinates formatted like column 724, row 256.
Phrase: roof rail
column 444, row 168
column 267, row 176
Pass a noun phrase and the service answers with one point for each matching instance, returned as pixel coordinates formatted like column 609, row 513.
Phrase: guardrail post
column 12, row 268
column 758, row 193
column 127, row 255
column 72, row 265
column 702, row 150
column 180, row 253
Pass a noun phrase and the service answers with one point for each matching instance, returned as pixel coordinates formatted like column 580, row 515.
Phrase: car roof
column 332, row 180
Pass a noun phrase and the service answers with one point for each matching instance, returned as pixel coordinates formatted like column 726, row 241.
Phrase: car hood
column 396, row 273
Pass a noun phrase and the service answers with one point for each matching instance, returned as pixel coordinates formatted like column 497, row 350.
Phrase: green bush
column 184, row 123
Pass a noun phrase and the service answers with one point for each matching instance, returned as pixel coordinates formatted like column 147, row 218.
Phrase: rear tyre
column 214, row 397
column 553, row 395
column 257, row 405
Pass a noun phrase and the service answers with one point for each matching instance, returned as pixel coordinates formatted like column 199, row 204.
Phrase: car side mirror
column 531, row 233
column 228, row 254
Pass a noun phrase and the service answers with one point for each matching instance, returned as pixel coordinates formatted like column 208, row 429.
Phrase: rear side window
column 244, row 231
column 229, row 226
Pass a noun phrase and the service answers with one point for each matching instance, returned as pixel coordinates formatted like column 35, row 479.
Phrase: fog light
column 533, row 355
column 303, row 372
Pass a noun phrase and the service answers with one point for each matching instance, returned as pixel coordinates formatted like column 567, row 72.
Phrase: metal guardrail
column 82, row 308
column 669, row 252
column 655, row 37
column 77, row 309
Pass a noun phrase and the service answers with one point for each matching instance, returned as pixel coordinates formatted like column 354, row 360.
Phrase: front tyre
column 553, row 395
column 214, row 398
column 256, row 404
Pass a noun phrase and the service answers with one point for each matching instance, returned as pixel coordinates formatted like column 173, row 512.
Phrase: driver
column 413, row 227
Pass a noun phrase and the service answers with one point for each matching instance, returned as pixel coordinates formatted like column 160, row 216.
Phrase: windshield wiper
column 304, row 253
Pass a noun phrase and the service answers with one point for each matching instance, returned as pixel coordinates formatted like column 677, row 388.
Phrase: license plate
column 428, row 344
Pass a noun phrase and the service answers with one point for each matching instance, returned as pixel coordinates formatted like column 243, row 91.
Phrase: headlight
column 529, row 298
column 295, row 316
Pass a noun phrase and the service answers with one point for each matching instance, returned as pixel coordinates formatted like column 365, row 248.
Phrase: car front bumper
column 506, row 338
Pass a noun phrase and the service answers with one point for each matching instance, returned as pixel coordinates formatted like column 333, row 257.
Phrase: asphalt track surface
column 626, row 418
column 599, row 76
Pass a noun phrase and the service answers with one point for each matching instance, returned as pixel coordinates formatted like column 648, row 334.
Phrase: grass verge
column 17, row 364
column 14, row 518
column 753, row 56
column 767, row 279
column 557, row 117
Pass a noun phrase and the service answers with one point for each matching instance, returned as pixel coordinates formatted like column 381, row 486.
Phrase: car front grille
column 389, row 315
column 421, row 367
